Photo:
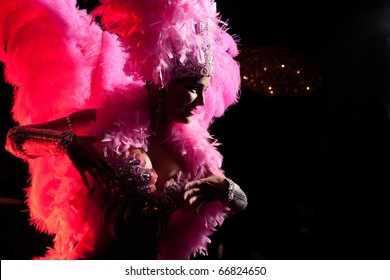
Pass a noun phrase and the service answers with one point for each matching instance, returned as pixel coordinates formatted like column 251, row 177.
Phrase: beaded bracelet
column 69, row 123
column 28, row 142
column 65, row 140
column 231, row 189
column 66, row 136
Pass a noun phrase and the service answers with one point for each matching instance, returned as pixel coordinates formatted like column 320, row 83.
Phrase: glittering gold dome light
column 278, row 70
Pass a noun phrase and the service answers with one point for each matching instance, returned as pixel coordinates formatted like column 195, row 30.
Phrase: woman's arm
column 27, row 142
column 58, row 137
column 236, row 199
column 49, row 138
column 76, row 122
column 214, row 188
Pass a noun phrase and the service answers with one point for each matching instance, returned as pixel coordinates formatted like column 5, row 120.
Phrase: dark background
column 315, row 167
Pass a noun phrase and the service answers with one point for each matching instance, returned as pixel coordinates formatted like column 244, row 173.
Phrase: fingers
column 197, row 201
column 188, row 194
column 98, row 174
column 95, row 160
column 87, row 160
column 200, row 205
column 101, row 165
column 198, row 193
column 194, row 184
column 194, row 197
column 106, row 168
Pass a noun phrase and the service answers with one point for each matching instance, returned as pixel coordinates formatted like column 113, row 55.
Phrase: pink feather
column 59, row 61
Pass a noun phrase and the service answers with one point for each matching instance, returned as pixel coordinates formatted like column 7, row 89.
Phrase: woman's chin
column 189, row 119
column 186, row 120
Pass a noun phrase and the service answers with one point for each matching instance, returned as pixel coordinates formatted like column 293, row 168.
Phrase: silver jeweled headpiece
column 193, row 65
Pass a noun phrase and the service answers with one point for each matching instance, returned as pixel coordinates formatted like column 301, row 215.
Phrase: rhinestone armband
column 65, row 140
column 69, row 124
column 231, row 189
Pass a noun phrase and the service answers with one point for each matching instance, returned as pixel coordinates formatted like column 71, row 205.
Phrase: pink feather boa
column 188, row 232
column 150, row 29
column 59, row 61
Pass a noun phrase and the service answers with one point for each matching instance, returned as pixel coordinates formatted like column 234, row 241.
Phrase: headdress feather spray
column 59, row 61
column 157, row 32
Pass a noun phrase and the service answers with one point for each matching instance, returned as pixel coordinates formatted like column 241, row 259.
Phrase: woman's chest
column 164, row 162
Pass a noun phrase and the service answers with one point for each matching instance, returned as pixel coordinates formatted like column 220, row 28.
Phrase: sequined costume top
column 137, row 212
column 136, row 190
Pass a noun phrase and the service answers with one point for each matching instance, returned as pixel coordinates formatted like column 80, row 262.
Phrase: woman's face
column 182, row 98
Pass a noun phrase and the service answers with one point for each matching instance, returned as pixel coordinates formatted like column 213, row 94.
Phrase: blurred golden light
column 277, row 70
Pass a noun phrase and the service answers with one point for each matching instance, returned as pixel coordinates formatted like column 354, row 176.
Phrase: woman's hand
column 212, row 188
column 87, row 159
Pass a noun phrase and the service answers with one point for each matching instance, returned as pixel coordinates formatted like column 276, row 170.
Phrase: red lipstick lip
column 191, row 111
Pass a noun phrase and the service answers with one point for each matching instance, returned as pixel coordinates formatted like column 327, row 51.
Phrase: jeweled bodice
column 136, row 186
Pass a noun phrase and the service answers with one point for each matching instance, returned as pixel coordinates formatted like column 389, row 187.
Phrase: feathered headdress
column 59, row 61
column 168, row 39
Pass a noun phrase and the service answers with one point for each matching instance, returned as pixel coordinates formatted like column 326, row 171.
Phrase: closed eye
column 196, row 89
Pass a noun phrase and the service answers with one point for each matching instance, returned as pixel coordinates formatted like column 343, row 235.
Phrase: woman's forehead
column 202, row 81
